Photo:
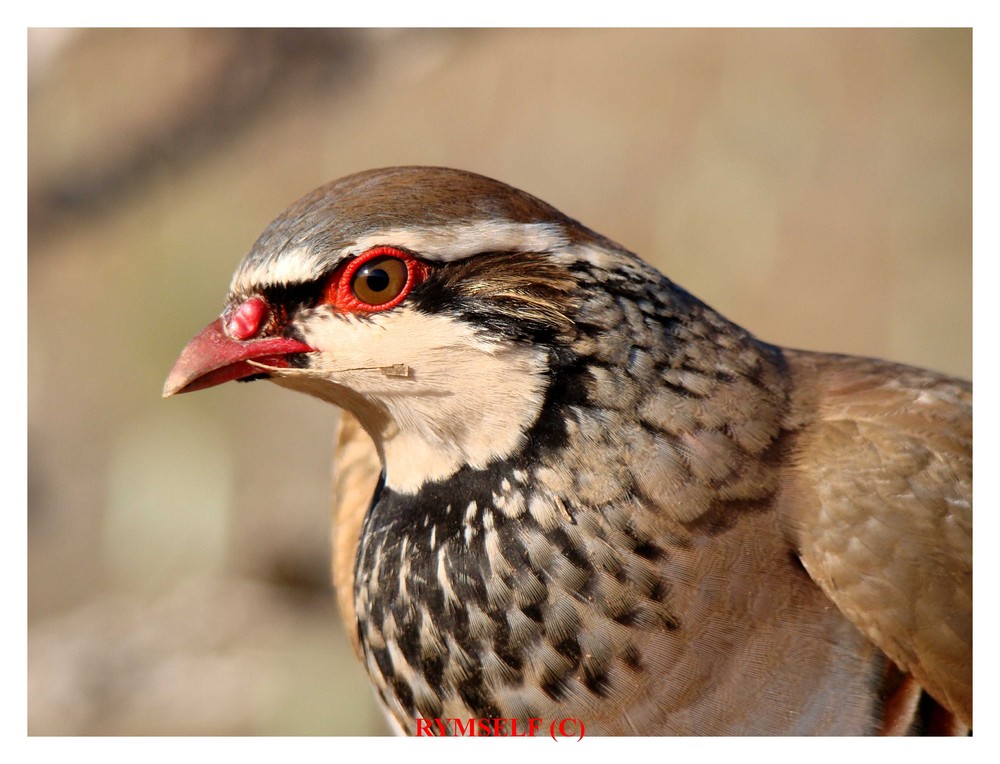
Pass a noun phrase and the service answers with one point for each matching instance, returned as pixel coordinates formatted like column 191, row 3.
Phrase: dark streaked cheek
column 496, row 318
column 524, row 297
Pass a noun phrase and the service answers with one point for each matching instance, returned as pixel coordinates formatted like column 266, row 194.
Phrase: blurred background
column 813, row 185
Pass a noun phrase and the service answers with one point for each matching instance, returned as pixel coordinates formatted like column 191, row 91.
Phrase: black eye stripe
column 292, row 297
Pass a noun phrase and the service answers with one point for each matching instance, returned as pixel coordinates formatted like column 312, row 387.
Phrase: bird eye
column 380, row 280
column 375, row 280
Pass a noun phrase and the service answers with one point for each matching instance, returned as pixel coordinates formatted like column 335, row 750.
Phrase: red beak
column 213, row 357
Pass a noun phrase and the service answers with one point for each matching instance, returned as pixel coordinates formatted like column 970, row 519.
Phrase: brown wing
column 355, row 475
column 881, row 513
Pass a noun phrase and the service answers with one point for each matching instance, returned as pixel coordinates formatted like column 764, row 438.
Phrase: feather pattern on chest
column 531, row 590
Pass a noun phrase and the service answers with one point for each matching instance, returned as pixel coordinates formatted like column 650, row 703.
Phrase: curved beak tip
column 170, row 387
column 212, row 358
column 180, row 376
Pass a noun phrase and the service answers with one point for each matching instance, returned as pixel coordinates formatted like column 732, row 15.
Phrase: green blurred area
column 813, row 185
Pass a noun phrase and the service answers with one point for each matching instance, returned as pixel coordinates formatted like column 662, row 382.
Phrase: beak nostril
column 246, row 321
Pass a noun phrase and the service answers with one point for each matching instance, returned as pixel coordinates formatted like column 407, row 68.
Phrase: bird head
column 433, row 304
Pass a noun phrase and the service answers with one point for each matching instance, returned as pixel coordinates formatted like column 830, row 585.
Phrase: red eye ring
column 340, row 291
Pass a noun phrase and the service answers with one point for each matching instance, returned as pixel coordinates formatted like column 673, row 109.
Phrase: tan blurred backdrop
column 813, row 185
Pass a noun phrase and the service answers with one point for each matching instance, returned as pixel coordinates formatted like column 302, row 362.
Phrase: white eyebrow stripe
column 295, row 266
column 449, row 243
column 445, row 244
